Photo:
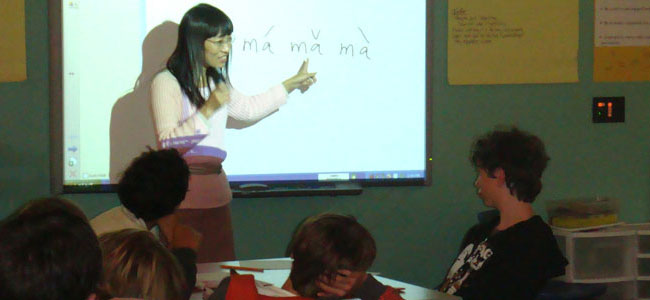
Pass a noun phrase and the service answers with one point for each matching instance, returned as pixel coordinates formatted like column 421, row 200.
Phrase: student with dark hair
column 154, row 184
column 191, row 101
column 512, row 255
column 150, row 189
column 322, row 245
column 48, row 252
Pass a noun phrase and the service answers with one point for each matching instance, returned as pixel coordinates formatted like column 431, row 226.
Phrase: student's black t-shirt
column 510, row 264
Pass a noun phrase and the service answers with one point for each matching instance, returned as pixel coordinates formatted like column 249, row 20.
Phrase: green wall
column 418, row 229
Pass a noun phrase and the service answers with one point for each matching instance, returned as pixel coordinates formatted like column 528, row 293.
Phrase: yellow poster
column 13, row 66
column 512, row 41
column 622, row 40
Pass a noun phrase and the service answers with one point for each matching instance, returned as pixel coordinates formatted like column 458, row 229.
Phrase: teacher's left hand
column 302, row 80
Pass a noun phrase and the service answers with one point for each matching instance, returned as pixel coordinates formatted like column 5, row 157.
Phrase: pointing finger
column 304, row 66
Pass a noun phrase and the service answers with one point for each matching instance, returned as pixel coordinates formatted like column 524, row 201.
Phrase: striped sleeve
column 167, row 109
column 253, row 108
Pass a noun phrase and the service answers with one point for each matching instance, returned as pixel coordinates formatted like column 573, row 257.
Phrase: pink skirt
column 215, row 224
column 206, row 209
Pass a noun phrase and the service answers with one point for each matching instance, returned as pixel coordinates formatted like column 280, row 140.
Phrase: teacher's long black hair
column 188, row 60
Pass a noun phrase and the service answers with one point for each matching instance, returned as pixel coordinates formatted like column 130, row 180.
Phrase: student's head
column 519, row 155
column 204, row 43
column 48, row 205
column 48, row 252
column 325, row 243
column 137, row 265
column 154, row 184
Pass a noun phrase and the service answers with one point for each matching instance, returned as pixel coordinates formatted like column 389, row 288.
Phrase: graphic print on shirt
column 469, row 260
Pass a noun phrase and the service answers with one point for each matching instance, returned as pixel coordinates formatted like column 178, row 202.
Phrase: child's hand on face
column 343, row 284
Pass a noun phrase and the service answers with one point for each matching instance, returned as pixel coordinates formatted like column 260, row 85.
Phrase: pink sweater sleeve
column 167, row 108
column 253, row 108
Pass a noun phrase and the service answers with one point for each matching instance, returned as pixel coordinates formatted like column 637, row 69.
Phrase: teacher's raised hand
column 219, row 97
column 302, row 80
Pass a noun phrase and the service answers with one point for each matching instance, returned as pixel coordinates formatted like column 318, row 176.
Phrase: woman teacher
column 191, row 100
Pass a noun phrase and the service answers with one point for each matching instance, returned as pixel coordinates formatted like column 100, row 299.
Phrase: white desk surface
column 277, row 277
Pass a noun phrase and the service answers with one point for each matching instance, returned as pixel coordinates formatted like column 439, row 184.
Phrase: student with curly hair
column 513, row 254
column 150, row 189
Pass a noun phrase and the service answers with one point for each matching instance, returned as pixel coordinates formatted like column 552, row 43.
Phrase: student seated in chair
column 150, row 189
column 322, row 245
column 48, row 252
column 513, row 254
